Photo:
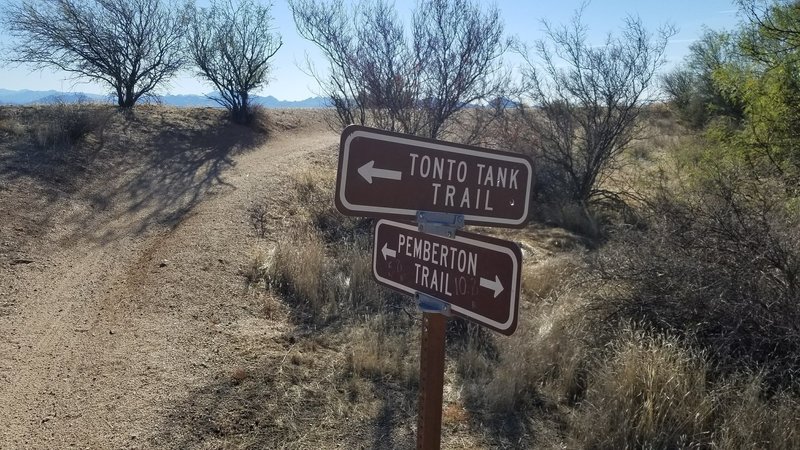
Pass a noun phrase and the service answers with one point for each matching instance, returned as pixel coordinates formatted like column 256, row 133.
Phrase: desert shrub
column 390, row 74
column 719, row 263
column 648, row 392
column 64, row 124
column 260, row 219
column 315, row 190
column 231, row 45
column 10, row 124
column 258, row 118
column 747, row 418
column 692, row 90
column 587, row 102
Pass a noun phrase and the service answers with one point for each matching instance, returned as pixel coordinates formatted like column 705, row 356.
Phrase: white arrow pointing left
column 495, row 285
column 387, row 252
column 368, row 172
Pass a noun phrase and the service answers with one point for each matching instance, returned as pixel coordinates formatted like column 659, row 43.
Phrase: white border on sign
column 465, row 312
column 438, row 147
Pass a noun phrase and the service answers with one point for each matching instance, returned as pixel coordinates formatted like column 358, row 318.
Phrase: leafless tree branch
column 133, row 46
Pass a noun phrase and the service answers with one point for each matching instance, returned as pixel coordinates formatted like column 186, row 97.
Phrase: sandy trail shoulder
column 128, row 312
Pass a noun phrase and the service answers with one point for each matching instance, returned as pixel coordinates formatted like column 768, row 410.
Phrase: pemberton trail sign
column 391, row 175
column 476, row 276
column 441, row 186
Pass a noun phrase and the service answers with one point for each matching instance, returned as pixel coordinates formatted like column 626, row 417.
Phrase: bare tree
column 133, row 46
column 408, row 78
column 231, row 43
column 459, row 47
column 586, row 100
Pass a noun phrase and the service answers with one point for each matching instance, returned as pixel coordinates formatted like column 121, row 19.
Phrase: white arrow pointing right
column 387, row 252
column 495, row 285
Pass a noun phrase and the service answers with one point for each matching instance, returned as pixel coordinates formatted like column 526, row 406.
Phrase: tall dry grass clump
column 750, row 418
column 546, row 357
column 63, row 125
column 646, row 392
column 322, row 261
column 315, row 189
column 384, row 351
column 299, row 271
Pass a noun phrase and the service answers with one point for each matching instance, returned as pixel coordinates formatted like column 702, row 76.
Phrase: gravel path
column 132, row 295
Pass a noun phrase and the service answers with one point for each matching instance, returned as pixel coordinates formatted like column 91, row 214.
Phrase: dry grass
column 542, row 279
column 546, row 357
column 11, row 125
column 257, row 271
column 380, row 354
column 299, row 271
column 65, row 124
column 749, row 419
column 648, row 392
column 573, row 375
column 315, row 189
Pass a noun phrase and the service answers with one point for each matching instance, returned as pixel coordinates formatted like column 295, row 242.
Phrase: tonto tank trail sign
column 478, row 276
column 391, row 175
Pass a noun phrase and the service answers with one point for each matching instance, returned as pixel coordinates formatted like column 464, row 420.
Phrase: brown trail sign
column 443, row 186
column 478, row 276
column 392, row 175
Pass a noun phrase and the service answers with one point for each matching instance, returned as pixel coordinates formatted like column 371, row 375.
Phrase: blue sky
column 522, row 19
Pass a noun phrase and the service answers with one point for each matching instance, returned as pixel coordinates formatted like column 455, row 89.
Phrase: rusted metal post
column 431, row 381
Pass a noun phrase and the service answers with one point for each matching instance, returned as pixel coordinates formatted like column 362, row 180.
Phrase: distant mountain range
column 27, row 97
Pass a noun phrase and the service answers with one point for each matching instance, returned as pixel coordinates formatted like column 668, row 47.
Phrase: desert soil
column 124, row 314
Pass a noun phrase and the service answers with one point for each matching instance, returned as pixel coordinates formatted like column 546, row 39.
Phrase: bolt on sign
column 392, row 175
column 478, row 276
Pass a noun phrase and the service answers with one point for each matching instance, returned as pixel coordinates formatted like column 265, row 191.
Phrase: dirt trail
column 124, row 309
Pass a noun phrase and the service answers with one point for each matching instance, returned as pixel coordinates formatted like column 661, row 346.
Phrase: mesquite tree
column 411, row 78
column 231, row 44
column 587, row 99
column 134, row 46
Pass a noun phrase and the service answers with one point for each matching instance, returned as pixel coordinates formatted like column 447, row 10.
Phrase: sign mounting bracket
column 439, row 224
column 432, row 305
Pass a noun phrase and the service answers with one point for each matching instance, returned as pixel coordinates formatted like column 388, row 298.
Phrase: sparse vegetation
column 660, row 300
column 131, row 46
column 413, row 78
column 231, row 44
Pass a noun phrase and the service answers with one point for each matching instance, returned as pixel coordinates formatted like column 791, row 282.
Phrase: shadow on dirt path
column 183, row 165
column 120, row 173
column 282, row 402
